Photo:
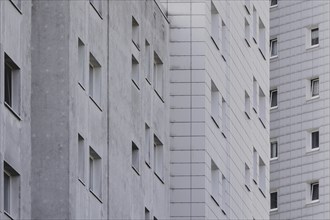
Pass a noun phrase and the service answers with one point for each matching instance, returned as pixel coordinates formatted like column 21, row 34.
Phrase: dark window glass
column 315, row 139
column 6, row 186
column 273, row 2
column 273, row 97
column 315, row 36
column 273, row 200
column 273, row 150
column 315, row 191
column 8, row 84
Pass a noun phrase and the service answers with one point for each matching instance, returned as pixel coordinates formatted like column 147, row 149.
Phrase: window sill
column 17, row 8
column 313, row 98
column 215, row 200
column 136, row 170
column 215, row 43
column 247, row 42
column 148, row 164
column 313, row 150
column 273, row 57
column 273, row 6
column 215, row 122
column 273, row 159
column 273, row 210
column 83, row 88
column 310, row 203
column 82, row 182
column 161, row 99
column 97, row 12
column 148, row 81
column 161, row 180
column 13, row 112
column 136, row 85
column 97, row 105
column 274, row 108
column 96, row 196
column 312, row 47
column 247, row 115
column 8, row 215
column 247, row 187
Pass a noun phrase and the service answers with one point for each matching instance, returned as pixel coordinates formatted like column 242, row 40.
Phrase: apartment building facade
column 299, row 103
column 219, row 109
column 134, row 109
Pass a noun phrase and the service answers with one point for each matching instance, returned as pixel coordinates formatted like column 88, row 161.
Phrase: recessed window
column 158, row 158
column 224, row 39
column 147, row 63
column 262, row 176
column 315, row 87
column 224, row 194
column 273, row 98
column 95, row 173
column 273, row 200
column 94, row 79
column 314, row 191
column 262, row 38
column 215, row 28
column 135, row 74
column 273, row 150
column 247, row 105
column 12, row 85
column 146, row 214
column 273, row 3
column 215, row 182
column 247, row 32
column 314, row 36
column 255, row 165
column 81, row 158
column 81, row 63
column 135, row 157
column 147, row 139
column 262, row 107
column 11, row 191
column 255, row 94
column 135, row 33
column 215, row 105
column 273, row 47
column 315, row 140
column 255, row 24
column 224, row 117
column 247, row 177
column 158, row 76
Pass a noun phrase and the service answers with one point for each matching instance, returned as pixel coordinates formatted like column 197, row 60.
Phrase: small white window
column 247, row 105
column 215, row 28
column 12, row 85
column 147, row 150
column 273, row 98
column 135, row 33
column 273, row 201
column 158, row 76
column 11, row 186
column 147, row 66
column 215, row 182
column 314, row 36
column 273, row 150
column 158, row 158
column 315, row 87
column 135, row 74
column 314, row 191
column 94, row 79
column 247, row 32
column 273, row 3
column 81, row 63
column 135, row 158
column 247, row 177
column 95, row 173
column 81, row 158
column 215, row 105
column 273, row 48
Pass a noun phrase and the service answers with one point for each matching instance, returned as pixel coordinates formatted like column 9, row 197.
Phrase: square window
column 94, row 79
column 314, row 191
column 95, row 173
column 273, row 47
column 158, row 158
column 315, row 139
column 158, row 76
column 273, row 200
column 314, row 36
column 12, row 85
column 273, row 98
column 273, row 150
column 273, row 2
column 315, row 87
column 135, row 33
column 135, row 74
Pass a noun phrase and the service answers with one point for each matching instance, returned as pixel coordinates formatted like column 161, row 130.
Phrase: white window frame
column 309, row 148
column 273, row 6
column 312, row 190
column 271, row 48
column 271, row 148
column 309, row 30
column 270, row 195
column 271, row 99
column 312, row 87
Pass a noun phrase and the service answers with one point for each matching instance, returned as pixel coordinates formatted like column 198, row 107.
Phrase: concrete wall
column 15, row 130
column 195, row 139
column 296, row 165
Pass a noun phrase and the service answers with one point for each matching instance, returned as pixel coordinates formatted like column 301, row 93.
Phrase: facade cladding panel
column 300, row 123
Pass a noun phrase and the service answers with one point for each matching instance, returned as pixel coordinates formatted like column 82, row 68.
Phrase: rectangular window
column 314, row 191
column 215, row 28
column 81, row 63
column 273, row 150
column 247, row 177
column 273, row 98
column 94, row 79
column 215, row 182
column 255, row 25
column 147, row 62
column 158, row 75
column 247, row 105
column 158, row 158
column 135, row 158
column 224, row 194
column 314, row 36
column 262, row 38
column 95, row 173
column 255, row 165
column 81, row 158
column 262, row 107
column 315, row 87
column 146, row 214
column 135, row 33
column 247, row 32
column 273, row 47
column 6, row 186
column 224, row 39
column 255, row 94
column 273, row 2
column 215, row 105
column 135, row 74
column 12, row 85
column 262, row 176
column 224, row 117
column 147, row 150
column 11, row 197
column 315, row 140
column 273, row 200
